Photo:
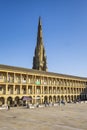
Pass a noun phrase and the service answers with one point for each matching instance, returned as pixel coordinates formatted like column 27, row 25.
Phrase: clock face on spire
column 39, row 59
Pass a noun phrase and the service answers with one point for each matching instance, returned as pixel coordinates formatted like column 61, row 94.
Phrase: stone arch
column 9, row 101
column 68, row 98
column 71, row 97
column 50, row 98
column 58, row 98
column 2, row 100
column 62, row 98
column 81, row 97
column 78, row 97
column 65, row 98
column 45, row 99
column 54, row 99
column 74, row 98
column 17, row 100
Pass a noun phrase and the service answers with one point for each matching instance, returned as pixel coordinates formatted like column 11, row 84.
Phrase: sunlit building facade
column 37, row 84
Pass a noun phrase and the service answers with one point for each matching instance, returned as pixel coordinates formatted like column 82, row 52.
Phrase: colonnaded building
column 38, row 85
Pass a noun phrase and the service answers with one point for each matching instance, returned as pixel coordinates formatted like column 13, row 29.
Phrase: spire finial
column 39, row 20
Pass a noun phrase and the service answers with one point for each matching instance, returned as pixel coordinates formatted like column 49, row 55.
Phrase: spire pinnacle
column 40, row 20
column 39, row 59
column 39, row 36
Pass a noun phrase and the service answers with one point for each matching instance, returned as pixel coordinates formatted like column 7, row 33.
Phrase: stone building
column 38, row 85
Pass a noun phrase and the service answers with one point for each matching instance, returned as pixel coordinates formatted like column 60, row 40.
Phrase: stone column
column 42, row 100
column 32, row 89
column 27, row 89
column 51, row 89
column 20, row 78
column 26, row 78
column 6, row 89
column 35, row 89
column 47, row 89
column 41, row 87
column 14, row 89
column 7, row 77
column 21, row 91
column 14, row 77
column 5, row 101
column 13, row 100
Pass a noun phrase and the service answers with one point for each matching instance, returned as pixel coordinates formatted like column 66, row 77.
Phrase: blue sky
column 64, row 24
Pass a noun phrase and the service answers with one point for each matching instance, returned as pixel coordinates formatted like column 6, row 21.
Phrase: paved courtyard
column 68, row 117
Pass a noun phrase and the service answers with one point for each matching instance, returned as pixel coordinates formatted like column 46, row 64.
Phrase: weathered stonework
column 39, row 59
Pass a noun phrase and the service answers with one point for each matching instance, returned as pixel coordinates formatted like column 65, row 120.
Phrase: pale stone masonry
column 37, row 84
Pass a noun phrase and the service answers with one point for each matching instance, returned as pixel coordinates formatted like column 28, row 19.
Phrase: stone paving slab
column 68, row 117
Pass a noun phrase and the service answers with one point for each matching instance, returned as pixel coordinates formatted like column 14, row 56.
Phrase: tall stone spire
column 39, row 59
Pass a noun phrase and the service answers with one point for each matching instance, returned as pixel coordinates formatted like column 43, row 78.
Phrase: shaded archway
column 9, row 101
column 71, row 97
column 68, row 98
column 75, row 98
column 62, row 98
column 54, row 99
column 65, row 98
column 2, row 100
column 58, row 98
column 45, row 99
column 16, row 101
column 78, row 97
column 50, row 98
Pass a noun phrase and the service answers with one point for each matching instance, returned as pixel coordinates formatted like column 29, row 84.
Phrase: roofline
column 8, row 67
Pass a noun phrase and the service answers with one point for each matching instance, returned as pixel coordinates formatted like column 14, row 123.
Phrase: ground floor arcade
column 19, row 100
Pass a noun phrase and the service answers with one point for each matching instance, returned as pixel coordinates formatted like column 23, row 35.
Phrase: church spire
column 39, row 59
column 39, row 35
column 40, row 21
